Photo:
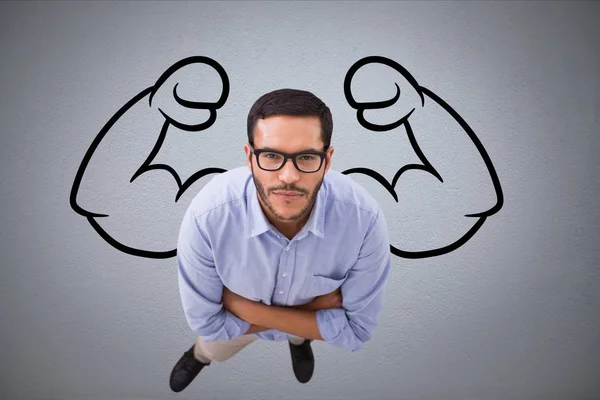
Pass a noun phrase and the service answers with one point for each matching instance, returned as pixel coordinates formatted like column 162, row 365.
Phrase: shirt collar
column 256, row 221
column 316, row 221
column 258, row 224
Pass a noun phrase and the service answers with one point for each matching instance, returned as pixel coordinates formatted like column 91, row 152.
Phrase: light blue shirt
column 225, row 239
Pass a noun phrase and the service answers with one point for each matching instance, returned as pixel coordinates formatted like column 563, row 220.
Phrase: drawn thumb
column 189, row 93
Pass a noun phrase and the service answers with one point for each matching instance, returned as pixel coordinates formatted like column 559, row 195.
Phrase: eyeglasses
column 305, row 161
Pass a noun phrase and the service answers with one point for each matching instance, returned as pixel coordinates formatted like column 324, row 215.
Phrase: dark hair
column 291, row 102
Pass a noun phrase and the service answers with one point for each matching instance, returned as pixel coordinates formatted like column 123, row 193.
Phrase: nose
column 288, row 173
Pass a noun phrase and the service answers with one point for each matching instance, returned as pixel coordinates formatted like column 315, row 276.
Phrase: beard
column 263, row 193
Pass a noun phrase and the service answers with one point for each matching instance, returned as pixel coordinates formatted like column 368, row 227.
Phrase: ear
column 248, row 156
column 328, row 158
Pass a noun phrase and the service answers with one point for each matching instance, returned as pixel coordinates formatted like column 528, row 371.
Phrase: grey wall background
column 512, row 314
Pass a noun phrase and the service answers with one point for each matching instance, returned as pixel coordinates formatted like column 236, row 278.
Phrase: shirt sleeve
column 201, row 288
column 362, row 292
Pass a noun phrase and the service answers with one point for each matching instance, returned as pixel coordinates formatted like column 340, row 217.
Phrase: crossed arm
column 300, row 321
column 216, row 313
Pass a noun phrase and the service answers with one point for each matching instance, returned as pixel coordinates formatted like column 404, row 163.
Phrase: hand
column 326, row 301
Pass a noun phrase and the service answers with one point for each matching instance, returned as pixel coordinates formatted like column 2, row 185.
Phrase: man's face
column 287, row 194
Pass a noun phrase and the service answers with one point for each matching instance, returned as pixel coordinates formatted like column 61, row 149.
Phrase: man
column 285, row 249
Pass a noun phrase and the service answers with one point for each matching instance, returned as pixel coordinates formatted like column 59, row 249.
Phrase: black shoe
column 303, row 360
column 185, row 371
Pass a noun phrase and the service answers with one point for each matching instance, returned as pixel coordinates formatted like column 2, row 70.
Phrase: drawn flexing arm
column 444, row 143
column 117, row 173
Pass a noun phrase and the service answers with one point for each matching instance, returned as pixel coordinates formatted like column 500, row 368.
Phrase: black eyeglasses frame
column 286, row 156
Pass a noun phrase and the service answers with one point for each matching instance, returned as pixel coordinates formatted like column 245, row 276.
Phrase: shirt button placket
column 285, row 263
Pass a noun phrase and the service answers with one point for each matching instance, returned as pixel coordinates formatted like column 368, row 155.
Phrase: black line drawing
column 426, row 166
column 147, row 164
column 176, row 103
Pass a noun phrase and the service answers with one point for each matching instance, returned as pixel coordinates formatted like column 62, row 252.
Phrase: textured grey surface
column 512, row 314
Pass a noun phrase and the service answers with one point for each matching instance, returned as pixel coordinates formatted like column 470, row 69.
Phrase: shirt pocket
column 319, row 285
